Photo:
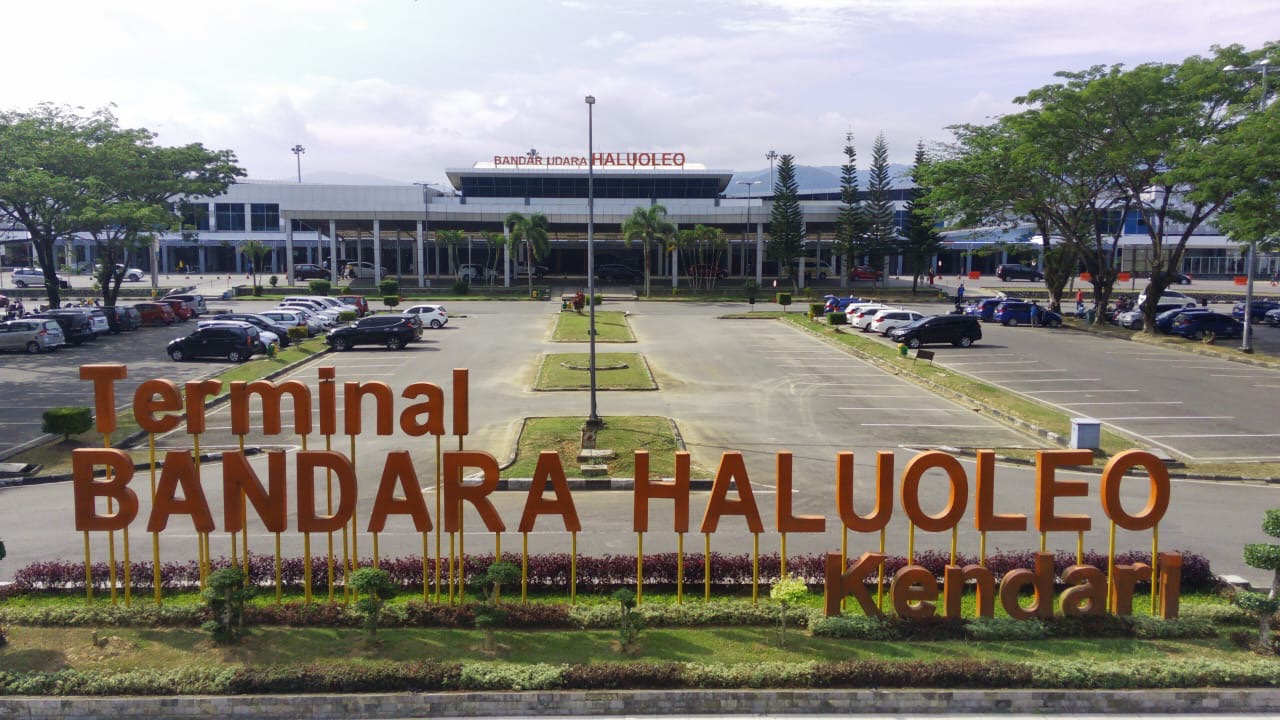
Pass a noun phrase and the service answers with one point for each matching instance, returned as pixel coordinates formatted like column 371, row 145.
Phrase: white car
column 815, row 268
column 33, row 277
column 268, row 337
column 293, row 317
column 862, row 319
column 852, row 309
column 1170, row 297
column 886, row 320
column 432, row 316
column 328, row 316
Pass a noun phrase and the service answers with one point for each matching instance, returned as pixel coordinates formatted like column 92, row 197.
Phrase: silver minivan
column 31, row 335
column 195, row 301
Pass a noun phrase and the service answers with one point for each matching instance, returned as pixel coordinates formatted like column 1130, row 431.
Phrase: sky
column 403, row 89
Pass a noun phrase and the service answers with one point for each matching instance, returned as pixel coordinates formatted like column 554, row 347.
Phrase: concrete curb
column 650, row 702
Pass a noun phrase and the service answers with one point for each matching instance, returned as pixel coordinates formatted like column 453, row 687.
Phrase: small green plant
column 257, row 290
column 629, row 623
column 837, row 318
column 389, row 286
column 297, row 334
column 752, row 290
column 391, row 300
column 66, row 421
column 787, row 592
column 346, row 315
column 1263, row 609
column 817, row 309
column 1266, row 556
column 319, row 287
column 274, row 280
column 375, row 589
column 225, row 596
column 489, row 585
column 783, row 299
column 461, row 287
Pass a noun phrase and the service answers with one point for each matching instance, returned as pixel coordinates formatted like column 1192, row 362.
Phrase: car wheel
column 965, row 341
column 1013, row 322
column 822, row 276
column 394, row 343
column 435, row 324
column 19, row 283
column 913, row 343
column 33, row 347
column 1196, row 335
column 1055, row 323
column 177, row 355
column 235, row 356
column 339, row 344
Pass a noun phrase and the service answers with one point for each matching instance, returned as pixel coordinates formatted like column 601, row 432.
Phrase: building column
column 288, row 255
column 419, row 236
column 759, row 254
column 377, row 252
column 333, row 252
column 506, row 256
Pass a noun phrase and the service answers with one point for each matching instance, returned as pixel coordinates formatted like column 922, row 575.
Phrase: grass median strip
column 622, row 434
column 611, row 327
column 614, row 371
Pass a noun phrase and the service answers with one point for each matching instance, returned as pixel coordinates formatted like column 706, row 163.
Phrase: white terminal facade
column 395, row 227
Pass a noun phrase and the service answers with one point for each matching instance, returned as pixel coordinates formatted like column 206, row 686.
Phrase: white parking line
column 1237, row 376
column 1170, row 417
column 1224, row 435
column 914, row 410
column 1062, row 380
column 1006, row 372
column 886, row 396
column 997, row 362
column 1126, row 402
column 930, row 425
column 1267, row 386
column 1043, row 392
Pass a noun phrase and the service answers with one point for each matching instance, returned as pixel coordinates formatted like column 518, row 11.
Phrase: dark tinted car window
column 379, row 321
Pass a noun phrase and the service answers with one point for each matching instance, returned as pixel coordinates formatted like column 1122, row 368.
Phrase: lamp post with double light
column 426, row 221
column 298, row 151
column 1246, row 342
column 593, row 420
column 759, row 240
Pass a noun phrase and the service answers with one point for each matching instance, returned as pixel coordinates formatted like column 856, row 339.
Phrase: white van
column 815, row 268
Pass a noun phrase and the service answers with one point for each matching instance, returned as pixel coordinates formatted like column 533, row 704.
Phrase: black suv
column 960, row 330
column 614, row 273
column 76, row 326
column 1018, row 272
column 261, row 323
column 233, row 342
column 308, row 271
column 393, row 331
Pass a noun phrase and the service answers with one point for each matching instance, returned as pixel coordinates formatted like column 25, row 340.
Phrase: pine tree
column 786, row 222
column 882, row 232
column 850, row 224
column 920, row 238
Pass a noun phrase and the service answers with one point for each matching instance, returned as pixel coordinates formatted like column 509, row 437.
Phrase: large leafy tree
column 701, row 249
column 786, row 221
column 647, row 225
column 63, row 173
column 920, row 237
column 882, row 236
column 534, row 232
column 851, row 225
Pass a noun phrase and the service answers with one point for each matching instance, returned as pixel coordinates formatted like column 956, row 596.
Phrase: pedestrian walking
column 1079, row 303
column 931, row 277
column 960, row 295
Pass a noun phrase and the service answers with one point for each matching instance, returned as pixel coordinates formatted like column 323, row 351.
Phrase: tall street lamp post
column 593, row 420
column 1246, row 343
column 759, row 241
column 298, row 150
column 426, row 220
column 771, row 156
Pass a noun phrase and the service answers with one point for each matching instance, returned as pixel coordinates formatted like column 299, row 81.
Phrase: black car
column 1260, row 310
column 614, row 273
column 1018, row 272
column 260, row 322
column 123, row 317
column 236, row 343
column 393, row 331
column 307, row 271
column 959, row 330
column 76, row 326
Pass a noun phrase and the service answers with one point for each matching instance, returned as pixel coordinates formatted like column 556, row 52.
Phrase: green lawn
column 614, row 371
column 624, row 435
column 611, row 327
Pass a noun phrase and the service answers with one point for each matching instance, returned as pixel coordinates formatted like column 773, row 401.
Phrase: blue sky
column 401, row 90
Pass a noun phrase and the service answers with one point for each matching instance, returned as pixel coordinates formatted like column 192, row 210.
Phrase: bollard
column 902, row 349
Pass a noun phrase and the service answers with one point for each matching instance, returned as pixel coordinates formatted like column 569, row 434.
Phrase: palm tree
column 452, row 239
column 534, row 231
column 493, row 241
column 254, row 250
column 647, row 226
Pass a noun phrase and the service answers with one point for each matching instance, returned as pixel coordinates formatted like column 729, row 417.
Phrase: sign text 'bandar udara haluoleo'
column 162, row 406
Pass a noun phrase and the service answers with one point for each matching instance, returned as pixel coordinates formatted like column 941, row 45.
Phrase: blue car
column 1018, row 312
column 1164, row 321
column 983, row 309
column 1196, row 326
column 1260, row 310
column 838, row 304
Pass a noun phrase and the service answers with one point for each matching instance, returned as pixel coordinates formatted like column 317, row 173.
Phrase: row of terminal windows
column 231, row 216
column 576, row 187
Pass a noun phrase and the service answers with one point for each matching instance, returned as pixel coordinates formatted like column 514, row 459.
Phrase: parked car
column 181, row 310
column 1018, row 312
column 1196, row 326
column 236, row 342
column 1259, row 310
column 472, row 272
column 416, row 322
column 32, row 335
column 539, row 271
column 433, row 316
column 840, row 304
column 265, row 337
column 323, row 314
column 1133, row 319
column 194, row 301
column 1164, row 321
column 128, row 274
column 707, row 271
column 293, row 318
column 1182, row 279
column 76, row 327
column 814, row 269
column 959, row 330
column 1169, row 297
column 864, row 315
column 33, row 277
column 356, row 301
column 886, row 320
column 361, row 270
column 154, row 313
column 263, row 323
column 308, row 271
column 1018, row 272
column 1272, row 318
column 865, row 272
column 392, row 331
column 984, row 309
column 615, row 273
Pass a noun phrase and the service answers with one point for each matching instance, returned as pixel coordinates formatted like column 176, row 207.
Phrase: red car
column 865, row 272
column 155, row 313
column 358, row 302
column 180, row 309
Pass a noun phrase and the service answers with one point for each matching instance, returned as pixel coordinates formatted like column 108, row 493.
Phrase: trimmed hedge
column 66, row 421
column 837, row 318
column 431, row 676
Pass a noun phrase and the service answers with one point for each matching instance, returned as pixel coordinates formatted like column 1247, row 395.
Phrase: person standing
column 960, row 295
column 1034, row 311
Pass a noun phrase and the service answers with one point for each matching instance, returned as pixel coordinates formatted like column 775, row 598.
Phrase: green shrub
column 297, row 334
column 319, row 287
column 346, row 315
column 858, row 627
column 628, row 622
column 67, row 421
column 257, row 290
column 274, row 280
column 391, row 300
column 786, row 592
column 783, row 299
column 817, row 309
column 225, row 596
column 1217, row 614
column 837, row 318
column 462, row 287
column 1004, row 629
column 751, row 290
column 597, row 299
column 1152, row 628
column 375, row 588
column 389, row 286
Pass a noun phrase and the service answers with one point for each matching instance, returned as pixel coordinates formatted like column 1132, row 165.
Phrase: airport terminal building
column 396, row 227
